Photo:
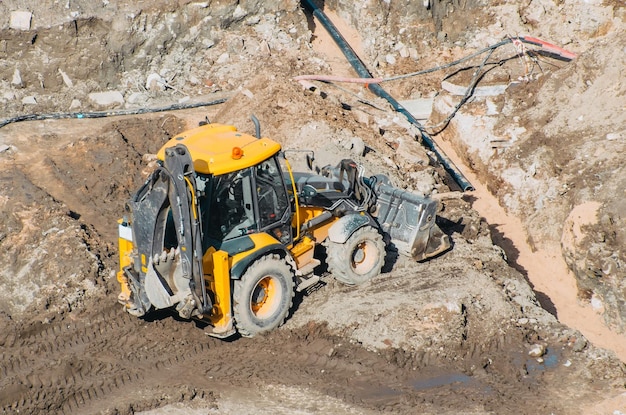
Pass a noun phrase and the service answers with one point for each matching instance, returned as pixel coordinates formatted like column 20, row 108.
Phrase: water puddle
column 550, row 361
column 451, row 379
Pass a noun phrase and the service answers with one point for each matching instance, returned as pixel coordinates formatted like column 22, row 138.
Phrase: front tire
column 359, row 259
column 263, row 296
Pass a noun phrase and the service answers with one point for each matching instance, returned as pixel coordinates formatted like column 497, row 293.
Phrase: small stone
column 155, row 82
column 567, row 363
column 265, row 48
column 613, row 136
column 522, row 321
column 239, row 12
column 247, row 93
column 29, row 100
column 579, row 345
column 4, row 147
column 208, row 43
column 413, row 53
column 76, row 104
column 361, row 116
column 106, row 98
column 224, row 57
column 390, row 59
column 357, row 146
column 441, row 36
column 137, row 98
column 20, row 20
column 596, row 302
column 537, row 350
column 609, row 267
column 252, row 20
column 17, row 78
column 66, row 79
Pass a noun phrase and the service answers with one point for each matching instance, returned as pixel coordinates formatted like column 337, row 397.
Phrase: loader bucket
column 409, row 219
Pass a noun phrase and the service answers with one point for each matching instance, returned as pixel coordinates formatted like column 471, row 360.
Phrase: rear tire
column 359, row 259
column 263, row 296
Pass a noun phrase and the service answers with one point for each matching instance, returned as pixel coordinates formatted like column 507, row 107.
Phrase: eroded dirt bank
column 446, row 336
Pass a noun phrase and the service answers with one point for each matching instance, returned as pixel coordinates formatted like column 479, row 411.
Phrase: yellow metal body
column 218, row 149
column 303, row 251
column 211, row 148
column 125, row 247
column 217, row 266
column 218, row 282
column 306, row 213
column 261, row 240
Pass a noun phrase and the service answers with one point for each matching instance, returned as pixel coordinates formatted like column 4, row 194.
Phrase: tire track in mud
column 116, row 362
column 69, row 366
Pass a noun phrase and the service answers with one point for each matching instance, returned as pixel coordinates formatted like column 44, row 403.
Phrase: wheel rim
column 364, row 257
column 265, row 297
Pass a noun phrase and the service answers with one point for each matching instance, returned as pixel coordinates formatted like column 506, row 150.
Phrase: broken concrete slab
column 20, row 20
column 479, row 91
column 106, row 98
column 29, row 100
column 420, row 108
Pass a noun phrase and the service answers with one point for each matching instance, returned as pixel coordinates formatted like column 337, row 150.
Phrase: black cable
column 362, row 71
column 489, row 49
column 103, row 114
column 468, row 93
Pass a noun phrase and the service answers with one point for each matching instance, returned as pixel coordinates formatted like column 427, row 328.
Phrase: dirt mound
column 553, row 143
column 65, row 193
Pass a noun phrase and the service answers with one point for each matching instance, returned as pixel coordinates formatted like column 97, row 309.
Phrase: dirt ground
column 484, row 328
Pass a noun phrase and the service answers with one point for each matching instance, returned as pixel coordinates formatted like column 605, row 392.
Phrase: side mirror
column 308, row 191
column 309, row 161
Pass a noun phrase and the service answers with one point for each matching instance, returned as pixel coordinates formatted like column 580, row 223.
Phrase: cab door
column 272, row 201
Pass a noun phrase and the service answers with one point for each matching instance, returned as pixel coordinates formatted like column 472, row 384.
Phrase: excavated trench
column 545, row 269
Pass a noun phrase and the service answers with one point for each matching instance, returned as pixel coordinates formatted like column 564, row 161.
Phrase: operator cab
column 244, row 202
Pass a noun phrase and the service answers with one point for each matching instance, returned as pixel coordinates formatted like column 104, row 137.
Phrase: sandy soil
column 545, row 269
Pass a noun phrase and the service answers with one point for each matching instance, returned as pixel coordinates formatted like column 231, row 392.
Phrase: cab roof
column 211, row 148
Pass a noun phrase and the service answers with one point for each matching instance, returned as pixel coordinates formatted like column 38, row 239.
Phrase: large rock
column 20, row 20
column 107, row 98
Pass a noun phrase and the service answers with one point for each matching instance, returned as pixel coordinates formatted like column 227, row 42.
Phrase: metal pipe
column 316, row 221
column 257, row 125
column 362, row 71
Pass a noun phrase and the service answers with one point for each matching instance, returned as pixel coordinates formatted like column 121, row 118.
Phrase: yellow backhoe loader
column 225, row 232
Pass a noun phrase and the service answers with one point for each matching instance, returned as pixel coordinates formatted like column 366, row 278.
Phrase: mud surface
column 461, row 333
column 113, row 363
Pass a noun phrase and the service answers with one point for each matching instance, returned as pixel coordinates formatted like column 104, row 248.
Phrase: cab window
column 273, row 203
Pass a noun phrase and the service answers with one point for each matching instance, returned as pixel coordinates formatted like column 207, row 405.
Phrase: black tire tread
column 339, row 265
